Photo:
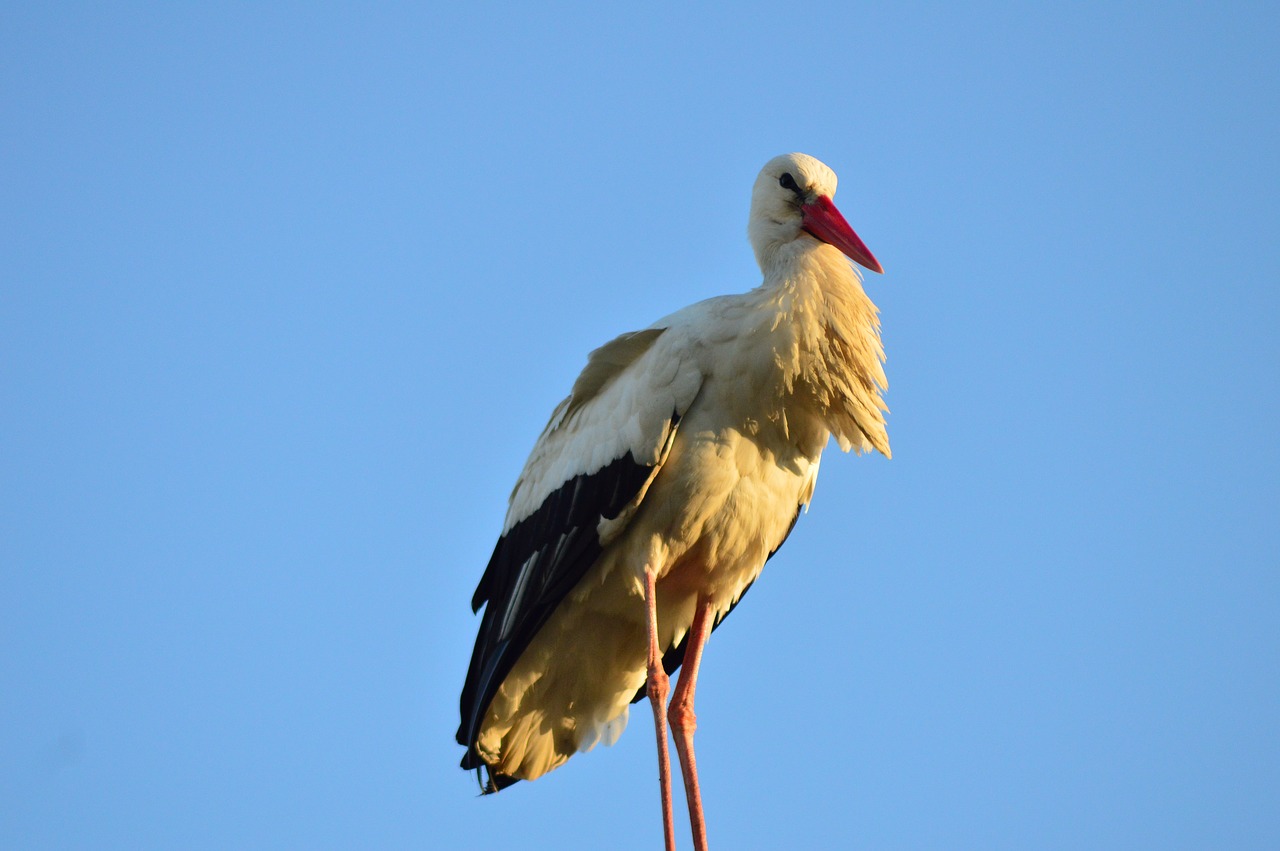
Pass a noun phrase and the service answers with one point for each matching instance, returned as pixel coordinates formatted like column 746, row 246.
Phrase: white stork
column 675, row 468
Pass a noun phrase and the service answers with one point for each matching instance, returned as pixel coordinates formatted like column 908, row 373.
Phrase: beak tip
column 870, row 263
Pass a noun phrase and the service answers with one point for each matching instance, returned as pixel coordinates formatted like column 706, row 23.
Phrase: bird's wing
column 583, row 481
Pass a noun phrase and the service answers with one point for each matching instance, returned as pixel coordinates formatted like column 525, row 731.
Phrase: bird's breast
column 723, row 502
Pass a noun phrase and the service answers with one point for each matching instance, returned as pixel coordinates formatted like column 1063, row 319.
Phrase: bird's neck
column 826, row 339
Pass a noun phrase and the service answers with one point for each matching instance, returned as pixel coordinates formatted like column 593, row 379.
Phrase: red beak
column 823, row 220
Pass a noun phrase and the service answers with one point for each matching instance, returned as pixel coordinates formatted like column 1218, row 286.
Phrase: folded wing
column 584, row 479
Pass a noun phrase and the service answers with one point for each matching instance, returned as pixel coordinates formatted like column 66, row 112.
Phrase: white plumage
column 685, row 450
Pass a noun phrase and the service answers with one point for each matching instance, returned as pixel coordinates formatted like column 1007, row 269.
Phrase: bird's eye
column 788, row 182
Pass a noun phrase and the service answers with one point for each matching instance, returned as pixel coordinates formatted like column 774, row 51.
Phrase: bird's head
column 791, row 207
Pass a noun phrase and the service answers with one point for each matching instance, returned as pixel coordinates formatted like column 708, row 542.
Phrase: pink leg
column 659, row 685
column 684, row 722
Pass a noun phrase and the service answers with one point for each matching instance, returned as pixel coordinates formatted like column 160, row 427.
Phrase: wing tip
column 496, row 782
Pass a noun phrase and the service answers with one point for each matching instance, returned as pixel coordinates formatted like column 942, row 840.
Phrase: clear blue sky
column 287, row 292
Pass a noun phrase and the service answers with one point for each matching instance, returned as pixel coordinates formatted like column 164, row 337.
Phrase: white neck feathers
column 829, row 347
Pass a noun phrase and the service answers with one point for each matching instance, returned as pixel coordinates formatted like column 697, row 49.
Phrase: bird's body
column 684, row 451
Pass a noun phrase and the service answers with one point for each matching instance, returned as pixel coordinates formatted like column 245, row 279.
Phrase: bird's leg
column 684, row 722
column 658, row 686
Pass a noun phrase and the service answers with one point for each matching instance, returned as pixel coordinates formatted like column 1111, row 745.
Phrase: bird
column 674, row 469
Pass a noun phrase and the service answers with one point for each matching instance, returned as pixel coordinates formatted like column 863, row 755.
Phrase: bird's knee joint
column 682, row 718
column 658, row 685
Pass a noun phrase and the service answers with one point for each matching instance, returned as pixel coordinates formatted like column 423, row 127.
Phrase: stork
column 675, row 468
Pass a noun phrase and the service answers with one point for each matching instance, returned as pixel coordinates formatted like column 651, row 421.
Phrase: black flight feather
column 533, row 567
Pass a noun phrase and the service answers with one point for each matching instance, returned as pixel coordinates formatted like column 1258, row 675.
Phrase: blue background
column 288, row 291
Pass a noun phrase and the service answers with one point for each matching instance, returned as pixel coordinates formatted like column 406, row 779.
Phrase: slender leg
column 659, row 685
column 684, row 722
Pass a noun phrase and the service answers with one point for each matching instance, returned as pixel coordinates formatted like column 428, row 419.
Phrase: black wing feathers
column 533, row 567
